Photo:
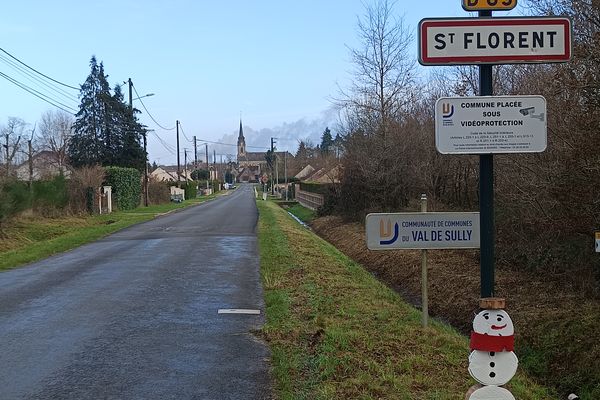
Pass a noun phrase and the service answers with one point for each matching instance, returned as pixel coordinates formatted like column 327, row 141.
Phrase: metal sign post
column 424, row 294
column 486, row 192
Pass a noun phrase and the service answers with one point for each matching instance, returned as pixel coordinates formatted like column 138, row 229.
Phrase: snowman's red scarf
column 485, row 342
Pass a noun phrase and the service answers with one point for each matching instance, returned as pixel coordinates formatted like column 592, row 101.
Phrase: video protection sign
column 463, row 41
column 491, row 125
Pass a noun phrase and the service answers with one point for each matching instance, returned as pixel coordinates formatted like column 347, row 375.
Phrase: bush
column 127, row 185
column 81, row 180
column 50, row 195
column 158, row 192
column 14, row 197
column 191, row 190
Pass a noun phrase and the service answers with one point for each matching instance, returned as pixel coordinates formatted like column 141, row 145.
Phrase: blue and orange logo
column 447, row 113
column 385, row 232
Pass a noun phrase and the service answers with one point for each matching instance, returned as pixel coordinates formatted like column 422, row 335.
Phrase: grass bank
column 336, row 332
column 31, row 238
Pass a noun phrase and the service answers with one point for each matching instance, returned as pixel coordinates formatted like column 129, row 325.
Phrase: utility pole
column 185, row 164
column 30, row 155
column 195, row 153
column 207, row 168
column 145, row 169
column 178, row 155
column 215, row 163
column 273, row 158
column 285, row 174
column 130, row 86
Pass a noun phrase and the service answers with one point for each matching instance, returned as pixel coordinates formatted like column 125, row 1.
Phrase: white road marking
column 238, row 311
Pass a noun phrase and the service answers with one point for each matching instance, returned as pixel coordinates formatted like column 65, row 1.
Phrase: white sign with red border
column 463, row 41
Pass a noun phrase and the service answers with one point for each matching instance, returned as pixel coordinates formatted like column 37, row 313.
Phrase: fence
column 309, row 199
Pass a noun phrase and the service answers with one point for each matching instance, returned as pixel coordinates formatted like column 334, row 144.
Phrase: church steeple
column 241, row 144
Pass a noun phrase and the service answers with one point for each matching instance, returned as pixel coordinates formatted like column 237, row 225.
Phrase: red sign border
column 498, row 21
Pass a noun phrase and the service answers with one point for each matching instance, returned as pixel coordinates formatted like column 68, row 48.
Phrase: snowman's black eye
column 486, row 317
column 499, row 319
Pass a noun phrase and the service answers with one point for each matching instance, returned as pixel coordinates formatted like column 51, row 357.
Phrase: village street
column 135, row 316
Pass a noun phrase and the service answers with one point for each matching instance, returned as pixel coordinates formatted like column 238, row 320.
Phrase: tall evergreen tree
column 106, row 130
column 326, row 141
column 86, row 144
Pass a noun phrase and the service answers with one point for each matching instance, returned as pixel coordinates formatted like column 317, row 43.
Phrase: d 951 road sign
column 482, row 5
column 489, row 125
column 430, row 230
column 513, row 40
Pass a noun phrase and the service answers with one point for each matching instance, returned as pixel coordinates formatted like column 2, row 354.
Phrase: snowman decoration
column 492, row 361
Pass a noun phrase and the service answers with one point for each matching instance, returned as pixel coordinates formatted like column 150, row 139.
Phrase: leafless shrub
column 81, row 179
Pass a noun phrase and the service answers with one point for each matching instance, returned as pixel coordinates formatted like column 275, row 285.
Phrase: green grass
column 336, row 332
column 302, row 213
column 30, row 239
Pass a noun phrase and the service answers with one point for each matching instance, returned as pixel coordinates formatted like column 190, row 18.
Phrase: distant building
column 169, row 174
column 253, row 165
column 46, row 165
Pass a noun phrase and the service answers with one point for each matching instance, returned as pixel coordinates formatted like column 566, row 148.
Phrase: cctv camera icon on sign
column 527, row 111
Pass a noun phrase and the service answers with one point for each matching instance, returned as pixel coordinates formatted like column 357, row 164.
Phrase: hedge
column 127, row 185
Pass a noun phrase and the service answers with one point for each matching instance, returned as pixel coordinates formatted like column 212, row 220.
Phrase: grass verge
column 304, row 214
column 31, row 238
column 337, row 332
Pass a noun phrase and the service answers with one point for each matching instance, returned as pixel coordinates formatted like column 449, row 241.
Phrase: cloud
column 288, row 134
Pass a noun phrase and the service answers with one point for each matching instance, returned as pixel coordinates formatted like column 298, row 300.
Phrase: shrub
column 14, row 197
column 81, row 179
column 191, row 190
column 50, row 195
column 158, row 192
column 126, row 184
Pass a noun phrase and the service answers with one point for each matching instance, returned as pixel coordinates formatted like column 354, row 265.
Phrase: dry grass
column 338, row 333
column 556, row 326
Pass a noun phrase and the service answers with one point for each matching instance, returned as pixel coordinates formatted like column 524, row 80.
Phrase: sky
column 277, row 64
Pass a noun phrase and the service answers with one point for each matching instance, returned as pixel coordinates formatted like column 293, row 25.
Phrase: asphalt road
column 135, row 316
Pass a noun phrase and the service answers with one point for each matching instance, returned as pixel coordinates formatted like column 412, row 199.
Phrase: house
column 305, row 172
column 169, row 174
column 45, row 165
column 324, row 175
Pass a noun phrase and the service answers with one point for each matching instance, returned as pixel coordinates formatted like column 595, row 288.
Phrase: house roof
column 306, row 171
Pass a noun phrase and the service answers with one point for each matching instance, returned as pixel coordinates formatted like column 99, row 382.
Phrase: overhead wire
column 148, row 112
column 184, row 135
column 164, row 144
column 35, row 79
column 229, row 144
column 35, row 70
column 39, row 95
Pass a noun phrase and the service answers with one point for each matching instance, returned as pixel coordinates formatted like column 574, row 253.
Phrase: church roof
column 241, row 134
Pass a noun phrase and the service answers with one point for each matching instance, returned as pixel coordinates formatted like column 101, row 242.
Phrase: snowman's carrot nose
column 497, row 328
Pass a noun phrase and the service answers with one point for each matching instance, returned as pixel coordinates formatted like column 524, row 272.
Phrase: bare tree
column 383, row 69
column 11, row 135
column 55, row 132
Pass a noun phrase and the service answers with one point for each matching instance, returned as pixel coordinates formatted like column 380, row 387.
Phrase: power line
column 184, row 135
column 36, row 79
column 35, row 70
column 148, row 112
column 39, row 95
column 229, row 144
column 164, row 144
